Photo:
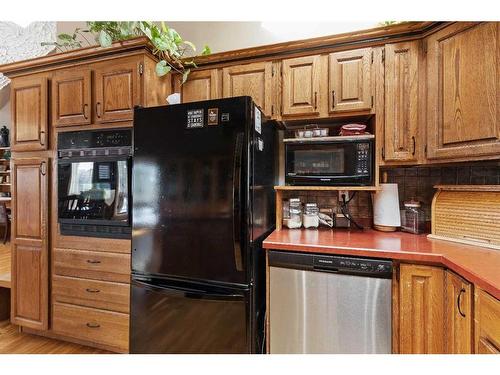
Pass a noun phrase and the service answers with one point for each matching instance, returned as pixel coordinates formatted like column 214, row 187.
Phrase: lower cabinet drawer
column 92, row 265
column 91, row 293
column 97, row 326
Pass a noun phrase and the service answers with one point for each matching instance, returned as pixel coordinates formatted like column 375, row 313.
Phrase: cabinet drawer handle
column 459, row 300
column 43, row 170
column 85, row 111
column 93, row 325
column 98, row 109
column 42, row 137
column 315, row 100
column 333, row 98
column 93, row 261
column 91, row 290
column 414, row 145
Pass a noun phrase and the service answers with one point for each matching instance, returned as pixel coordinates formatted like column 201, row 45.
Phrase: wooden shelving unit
column 280, row 189
column 5, row 178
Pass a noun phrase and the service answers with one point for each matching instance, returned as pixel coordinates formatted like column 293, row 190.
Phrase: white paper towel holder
column 392, row 217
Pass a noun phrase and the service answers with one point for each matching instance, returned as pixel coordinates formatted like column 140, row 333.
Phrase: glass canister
column 414, row 218
column 294, row 220
column 311, row 216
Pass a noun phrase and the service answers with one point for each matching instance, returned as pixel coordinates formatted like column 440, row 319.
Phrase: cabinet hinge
column 141, row 69
column 383, row 56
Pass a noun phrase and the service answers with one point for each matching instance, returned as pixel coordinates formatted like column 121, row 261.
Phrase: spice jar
column 311, row 216
column 294, row 220
column 414, row 218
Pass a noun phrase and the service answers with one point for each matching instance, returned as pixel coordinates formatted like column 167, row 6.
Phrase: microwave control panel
column 363, row 158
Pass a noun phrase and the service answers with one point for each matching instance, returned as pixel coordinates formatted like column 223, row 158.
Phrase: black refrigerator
column 202, row 203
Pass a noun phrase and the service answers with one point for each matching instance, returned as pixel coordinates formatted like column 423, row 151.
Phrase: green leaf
column 206, row 51
column 105, row 39
column 162, row 68
column 64, row 36
column 185, row 75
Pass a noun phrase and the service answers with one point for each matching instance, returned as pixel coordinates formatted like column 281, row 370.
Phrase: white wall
column 226, row 36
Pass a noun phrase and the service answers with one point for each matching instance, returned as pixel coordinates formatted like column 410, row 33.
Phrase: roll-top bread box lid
column 467, row 214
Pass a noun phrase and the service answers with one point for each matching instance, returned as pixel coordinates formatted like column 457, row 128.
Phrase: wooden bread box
column 467, row 214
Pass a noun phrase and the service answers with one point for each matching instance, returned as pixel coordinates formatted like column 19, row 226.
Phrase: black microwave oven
column 339, row 161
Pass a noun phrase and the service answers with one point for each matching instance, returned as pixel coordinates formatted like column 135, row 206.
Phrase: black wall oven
column 343, row 161
column 94, row 175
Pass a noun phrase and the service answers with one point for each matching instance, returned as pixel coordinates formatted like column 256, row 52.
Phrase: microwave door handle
column 238, row 151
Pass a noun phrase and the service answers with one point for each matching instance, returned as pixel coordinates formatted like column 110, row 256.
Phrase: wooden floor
column 14, row 342
column 5, row 265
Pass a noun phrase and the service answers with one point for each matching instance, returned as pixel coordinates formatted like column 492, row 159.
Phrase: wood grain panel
column 201, row 85
column 99, row 326
column 254, row 80
column 71, row 97
column 92, row 264
column 29, row 112
column 421, row 299
column 486, row 323
column 301, row 93
column 30, row 270
column 401, row 101
column 350, row 80
column 458, row 314
column 463, row 91
column 117, row 90
column 91, row 293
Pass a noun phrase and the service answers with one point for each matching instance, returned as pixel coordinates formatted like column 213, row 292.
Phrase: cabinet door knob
column 85, row 111
column 459, row 300
column 98, row 109
column 42, row 137
column 43, row 170
column 414, row 145
column 93, row 325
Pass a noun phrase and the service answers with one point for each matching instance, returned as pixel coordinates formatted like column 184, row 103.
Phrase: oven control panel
column 94, row 139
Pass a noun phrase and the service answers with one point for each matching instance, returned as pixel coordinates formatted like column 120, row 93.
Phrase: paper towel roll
column 386, row 207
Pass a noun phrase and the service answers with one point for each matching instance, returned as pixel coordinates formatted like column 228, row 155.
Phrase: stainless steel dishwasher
column 329, row 304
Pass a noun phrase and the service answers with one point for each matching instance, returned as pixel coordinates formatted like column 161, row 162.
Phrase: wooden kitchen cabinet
column 200, row 85
column 117, row 89
column 463, row 120
column 254, row 80
column 458, row 312
column 29, row 107
column 401, row 101
column 71, row 97
column 301, row 93
column 486, row 323
column 421, row 315
column 30, row 266
column 350, row 81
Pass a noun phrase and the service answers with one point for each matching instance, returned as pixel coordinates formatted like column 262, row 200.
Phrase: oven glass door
column 94, row 191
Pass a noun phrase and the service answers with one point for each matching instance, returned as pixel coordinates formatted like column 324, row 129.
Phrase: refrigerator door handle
column 238, row 153
column 190, row 293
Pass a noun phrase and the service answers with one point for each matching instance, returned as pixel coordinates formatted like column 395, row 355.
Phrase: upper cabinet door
column 421, row 316
column 71, row 98
column 200, row 85
column 30, row 265
column 29, row 103
column 351, row 81
column 301, row 86
column 401, row 101
column 254, row 80
column 117, row 90
column 458, row 306
column 463, row 62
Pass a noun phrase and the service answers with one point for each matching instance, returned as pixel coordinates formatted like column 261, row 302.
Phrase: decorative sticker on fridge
column 195, row 118
column 213, row 116
column 258, row 120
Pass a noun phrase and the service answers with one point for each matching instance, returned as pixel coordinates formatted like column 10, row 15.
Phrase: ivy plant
column 168, row 45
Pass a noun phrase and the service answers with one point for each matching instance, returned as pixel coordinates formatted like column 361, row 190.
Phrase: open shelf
column 325, row 188
column 329, row 139
column 5, row 273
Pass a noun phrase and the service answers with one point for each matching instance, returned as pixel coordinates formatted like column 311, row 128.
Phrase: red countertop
column 478, row 265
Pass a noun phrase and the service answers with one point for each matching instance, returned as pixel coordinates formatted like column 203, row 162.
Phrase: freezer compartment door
column 177, row 317
column 320, row 312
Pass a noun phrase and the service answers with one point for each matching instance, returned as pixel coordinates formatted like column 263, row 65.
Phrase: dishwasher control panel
column 353, row 265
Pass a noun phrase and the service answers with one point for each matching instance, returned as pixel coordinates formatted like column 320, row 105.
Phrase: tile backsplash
column 418, row 182
column 413, row 182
